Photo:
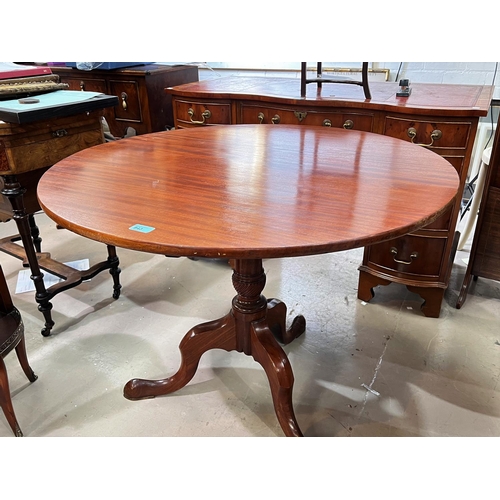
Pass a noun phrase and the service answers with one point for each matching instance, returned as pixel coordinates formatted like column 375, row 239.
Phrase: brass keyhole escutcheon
column 60, row 133
column 300, row 115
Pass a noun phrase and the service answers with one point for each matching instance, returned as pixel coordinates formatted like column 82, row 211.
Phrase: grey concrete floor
column 434, row 377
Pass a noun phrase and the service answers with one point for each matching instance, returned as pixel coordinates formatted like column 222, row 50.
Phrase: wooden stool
column 11, row 336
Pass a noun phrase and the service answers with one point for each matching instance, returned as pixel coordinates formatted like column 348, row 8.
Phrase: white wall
column 476, row 73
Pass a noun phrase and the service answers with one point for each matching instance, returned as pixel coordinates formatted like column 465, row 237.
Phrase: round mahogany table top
column 248, row 191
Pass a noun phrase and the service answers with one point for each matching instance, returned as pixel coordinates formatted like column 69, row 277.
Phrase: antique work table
column 32, row 138
column 247, row 193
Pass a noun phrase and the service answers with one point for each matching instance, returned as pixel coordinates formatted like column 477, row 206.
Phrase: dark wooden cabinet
column 143, row 103
column 484, row 259
column 442, row 118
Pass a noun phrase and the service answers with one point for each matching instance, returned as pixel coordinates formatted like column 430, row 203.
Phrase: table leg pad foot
column 217, row 334
column 276, row 319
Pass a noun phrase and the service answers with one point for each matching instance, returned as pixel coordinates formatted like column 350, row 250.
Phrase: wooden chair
column 319, row 80
column 11, row 337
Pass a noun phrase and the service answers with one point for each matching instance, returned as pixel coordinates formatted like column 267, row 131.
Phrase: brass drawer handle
column 435, row 135
column 413, row 255
column 124, row 97
column 327, row 123
column 276, row 119
column 60, row 133
column 348, row 124
column 260, row 116
column 205, row 115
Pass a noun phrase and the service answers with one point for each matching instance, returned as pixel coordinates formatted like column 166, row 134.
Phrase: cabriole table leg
column 245, row 329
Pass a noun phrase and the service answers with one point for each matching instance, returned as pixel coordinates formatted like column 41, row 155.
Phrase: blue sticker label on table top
column 141, row 228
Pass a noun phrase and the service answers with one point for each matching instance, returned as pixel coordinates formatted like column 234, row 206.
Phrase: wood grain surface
column 248, row 191
column 446, row 99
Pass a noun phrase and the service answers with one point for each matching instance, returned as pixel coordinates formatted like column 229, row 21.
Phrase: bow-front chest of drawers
column 443, row 118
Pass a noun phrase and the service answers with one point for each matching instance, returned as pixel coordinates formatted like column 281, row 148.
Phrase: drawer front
column 129, row 107
column 47, row 143
column 457, row 161
column 193, row 114
column 434, row 134
column 87, row 84
column 410, row 256
column 444, row 222
column 350, row 120
column 275, row 115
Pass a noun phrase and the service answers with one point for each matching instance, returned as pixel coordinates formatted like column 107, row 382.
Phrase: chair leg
column 6, row 401
column 23, row 360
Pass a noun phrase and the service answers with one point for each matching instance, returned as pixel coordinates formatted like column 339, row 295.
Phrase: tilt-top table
column 247, row 193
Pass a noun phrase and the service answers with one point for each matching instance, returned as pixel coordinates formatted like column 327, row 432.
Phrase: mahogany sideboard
column 441, row 117
column 143, row 104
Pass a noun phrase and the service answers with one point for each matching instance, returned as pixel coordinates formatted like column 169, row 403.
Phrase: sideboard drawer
column 85, row 84
column 435, row 134
column 251, row 114
column 445, row 221
column 411, row 255
column 190, row 113
column 347, row 120
column 458, row 161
